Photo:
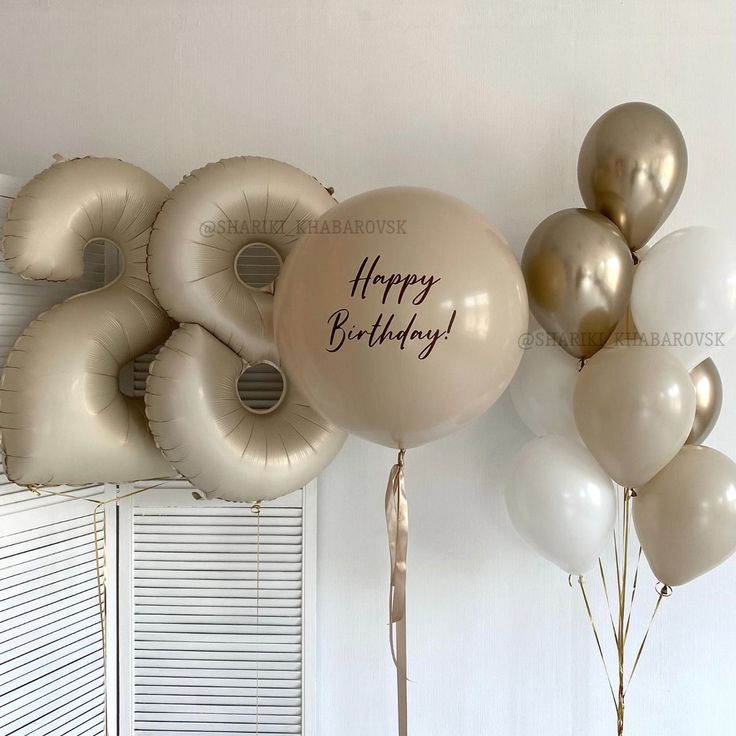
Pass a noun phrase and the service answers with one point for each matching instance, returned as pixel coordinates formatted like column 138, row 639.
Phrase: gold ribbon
column 397, row 525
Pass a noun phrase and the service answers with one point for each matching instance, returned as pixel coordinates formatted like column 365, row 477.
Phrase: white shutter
column 51, row 665
column 216, row 627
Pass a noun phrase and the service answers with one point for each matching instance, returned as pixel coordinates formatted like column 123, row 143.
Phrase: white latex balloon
column 684, row 294
column 543, row 386
column 561, row 502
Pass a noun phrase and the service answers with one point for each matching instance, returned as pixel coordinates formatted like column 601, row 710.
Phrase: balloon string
column 664, row 592
column 256, row 509
column 101, row 575
column 397, row 525
column 608, row 600
column 633, row 593
column 597, row 639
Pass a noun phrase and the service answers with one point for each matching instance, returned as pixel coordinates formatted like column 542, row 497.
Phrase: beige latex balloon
column 401, row 315
column 212, row 216
column 632, row 169
column 634, row 407
column 226, row 449
column 63, row 417
column 578, row 273
column 685, row 516
column 708, row 400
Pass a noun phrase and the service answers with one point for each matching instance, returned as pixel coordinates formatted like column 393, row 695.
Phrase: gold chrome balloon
column 578, row 272
column 708, row 400
column 632, row 168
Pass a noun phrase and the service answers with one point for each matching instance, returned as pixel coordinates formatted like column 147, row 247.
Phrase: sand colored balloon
column 401, row 315
column 634, row 407
column 685, row 516
column 225, row 448
column 63, row 417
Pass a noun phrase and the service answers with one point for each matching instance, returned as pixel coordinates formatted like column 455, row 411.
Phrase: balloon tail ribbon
column 663, row 592
column 626, row 597
column 597, row 639
column 397, row 524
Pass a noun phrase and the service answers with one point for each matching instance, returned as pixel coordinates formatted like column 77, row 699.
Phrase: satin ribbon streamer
column 397, row 524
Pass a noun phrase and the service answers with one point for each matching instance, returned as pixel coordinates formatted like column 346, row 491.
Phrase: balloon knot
column 400, row 460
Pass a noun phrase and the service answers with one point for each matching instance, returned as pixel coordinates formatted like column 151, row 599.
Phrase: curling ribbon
column 397, row 524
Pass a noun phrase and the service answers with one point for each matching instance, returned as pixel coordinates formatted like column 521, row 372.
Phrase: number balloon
column 226, row 448
column 62, row 415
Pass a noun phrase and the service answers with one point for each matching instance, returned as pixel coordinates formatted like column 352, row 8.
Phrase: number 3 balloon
column 62, row 415
column 227, row 449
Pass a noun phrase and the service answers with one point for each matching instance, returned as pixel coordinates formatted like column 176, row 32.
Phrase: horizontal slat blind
column 51, row 664
column 218, row 622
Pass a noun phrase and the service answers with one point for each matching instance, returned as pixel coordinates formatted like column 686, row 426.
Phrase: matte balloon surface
column 685, row 517
column 634, row 407
column 63, row 417
column 400, row 315
column 225, row 448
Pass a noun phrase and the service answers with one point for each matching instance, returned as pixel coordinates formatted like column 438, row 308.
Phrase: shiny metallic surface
column 708, row 400
column 632, row 169
column 578, row 273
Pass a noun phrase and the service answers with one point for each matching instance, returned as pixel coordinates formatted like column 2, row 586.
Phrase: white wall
column 489, row 100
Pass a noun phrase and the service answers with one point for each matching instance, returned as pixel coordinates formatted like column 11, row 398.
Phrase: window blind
column 51, row 665
column 217, row 618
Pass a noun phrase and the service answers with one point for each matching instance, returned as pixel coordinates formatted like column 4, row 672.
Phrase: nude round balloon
column 400, row 315
column 632, row 168
column 634, row 407
column 685, row 516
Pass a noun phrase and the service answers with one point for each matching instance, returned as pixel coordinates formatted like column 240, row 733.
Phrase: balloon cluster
column 639, row 391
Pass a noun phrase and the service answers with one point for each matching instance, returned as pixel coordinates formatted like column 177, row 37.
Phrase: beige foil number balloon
column 63, row 417
column 225, row 448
